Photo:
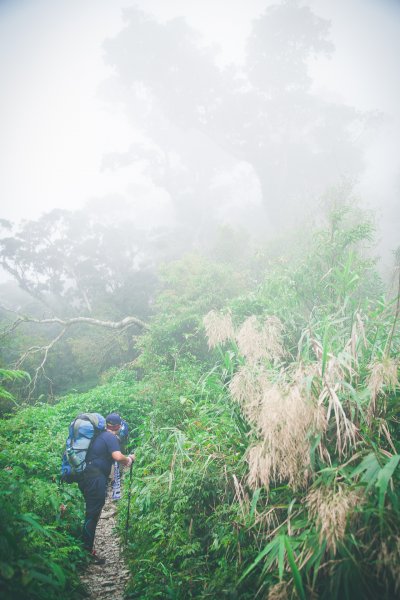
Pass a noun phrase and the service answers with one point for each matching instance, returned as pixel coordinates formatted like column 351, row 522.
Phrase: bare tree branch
column 123, row 324
column 118, row 326
column 45, row 349
column 40, row 368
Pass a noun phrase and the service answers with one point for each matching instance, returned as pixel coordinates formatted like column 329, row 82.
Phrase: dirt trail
column 109, row 580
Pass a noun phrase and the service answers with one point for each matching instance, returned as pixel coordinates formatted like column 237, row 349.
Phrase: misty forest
column 246, row 325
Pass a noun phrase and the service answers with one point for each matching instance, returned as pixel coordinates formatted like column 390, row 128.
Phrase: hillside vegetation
column 264, row 409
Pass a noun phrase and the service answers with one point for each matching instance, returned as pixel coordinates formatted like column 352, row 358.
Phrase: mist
column 199, row 231
column 175, row 115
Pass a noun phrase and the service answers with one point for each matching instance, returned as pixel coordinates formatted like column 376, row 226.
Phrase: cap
column 113, row 419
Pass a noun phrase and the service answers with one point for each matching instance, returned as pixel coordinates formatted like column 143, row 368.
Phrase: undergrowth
column 266, row 439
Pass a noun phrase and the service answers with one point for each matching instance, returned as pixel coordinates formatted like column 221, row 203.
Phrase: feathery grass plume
column 389, row 562
column 273, row 332
column 219, row 328
column 261, row 465
column 257, row 341
column 285, row 423
column 304, row 376
column 279, row 591
column 247, row 388
column 332, row 508
column 382, row 374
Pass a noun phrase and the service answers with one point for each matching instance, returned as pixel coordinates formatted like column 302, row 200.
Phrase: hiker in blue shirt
column 104, row 450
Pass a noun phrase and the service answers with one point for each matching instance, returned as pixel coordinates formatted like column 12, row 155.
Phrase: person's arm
column 125, row 460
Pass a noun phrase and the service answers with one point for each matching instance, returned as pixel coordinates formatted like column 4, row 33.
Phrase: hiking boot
column 96, row 559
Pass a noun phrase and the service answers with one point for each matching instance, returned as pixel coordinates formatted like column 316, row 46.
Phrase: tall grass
column 319, row 389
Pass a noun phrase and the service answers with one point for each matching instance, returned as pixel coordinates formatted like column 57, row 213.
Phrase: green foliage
column 198, row 527
column 325, row 271
column 191, row 287
column 39, row 550
column 183, row 533
column 7, row 377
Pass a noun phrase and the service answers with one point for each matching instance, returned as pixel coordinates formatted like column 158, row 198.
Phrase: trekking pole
column 129, row 503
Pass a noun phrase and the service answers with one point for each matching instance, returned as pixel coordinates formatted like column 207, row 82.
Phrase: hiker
column 103, row 451
column 115, row 475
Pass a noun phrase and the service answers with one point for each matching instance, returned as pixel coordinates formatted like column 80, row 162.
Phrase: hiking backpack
column 81, row 433
column 123, row 432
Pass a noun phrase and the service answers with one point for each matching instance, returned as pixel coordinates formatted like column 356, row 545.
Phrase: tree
column 73, row 261
column 73, row 269
column 203, row 119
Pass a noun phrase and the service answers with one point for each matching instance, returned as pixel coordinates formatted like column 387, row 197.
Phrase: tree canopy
column 202, row 118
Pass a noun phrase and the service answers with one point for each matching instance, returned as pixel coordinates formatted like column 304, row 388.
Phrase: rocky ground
column 107, row 581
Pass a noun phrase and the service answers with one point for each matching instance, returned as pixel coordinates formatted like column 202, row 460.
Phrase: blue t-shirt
column 99, row 453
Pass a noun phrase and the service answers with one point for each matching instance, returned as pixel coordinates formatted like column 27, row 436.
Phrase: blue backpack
column 123, row 432
column 81, row 433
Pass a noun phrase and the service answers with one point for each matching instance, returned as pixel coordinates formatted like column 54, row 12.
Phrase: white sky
column 55, row 129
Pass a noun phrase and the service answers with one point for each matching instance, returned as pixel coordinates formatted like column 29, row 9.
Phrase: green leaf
column 295, row 571
column 384, row 476
column 58, row 572
column 31, row 520
column 281, row 558
column 254, row 501
column 370, row 468
column 259, row 557
column 13, row 375
column 34, row 574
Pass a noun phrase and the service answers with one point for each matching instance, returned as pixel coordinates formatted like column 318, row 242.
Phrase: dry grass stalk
column 346, row 431
column 382, row 374
column 337, row 367
column 268, row 519
column 357, row 334
column 257, row 342
column 337, row 370
column 332, row 508
column 389, row 562
column 284, row 425
column 219, row 328
column 242, row 497
column 384, row 429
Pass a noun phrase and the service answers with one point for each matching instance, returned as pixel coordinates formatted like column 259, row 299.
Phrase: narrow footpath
column 107, row 581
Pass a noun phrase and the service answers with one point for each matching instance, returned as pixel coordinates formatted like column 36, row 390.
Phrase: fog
column 166, row 112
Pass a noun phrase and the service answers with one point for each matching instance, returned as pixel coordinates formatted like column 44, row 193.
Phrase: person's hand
column 131, row 458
